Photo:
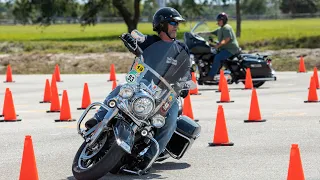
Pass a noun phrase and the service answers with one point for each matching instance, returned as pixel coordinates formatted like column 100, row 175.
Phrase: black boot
column 91, row 123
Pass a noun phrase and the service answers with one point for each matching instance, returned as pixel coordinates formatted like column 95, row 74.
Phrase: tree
column 238, row 33
column 130, row 19
column 50, row 9
column 188, row 8
column 22, row 11
column 149, row 8
column 191, row 9
column 43, row 12
column 91, row 10
column 298, row 6
column 253, row 7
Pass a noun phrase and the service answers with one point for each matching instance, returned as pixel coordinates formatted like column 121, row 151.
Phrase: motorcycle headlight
column 158, row 121
column 143, row 106
column 126, row 92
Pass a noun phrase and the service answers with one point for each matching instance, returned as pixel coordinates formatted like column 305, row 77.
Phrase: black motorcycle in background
column 202, row 55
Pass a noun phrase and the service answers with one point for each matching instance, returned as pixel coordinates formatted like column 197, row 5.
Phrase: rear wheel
column 90, row 163
column 257, row 84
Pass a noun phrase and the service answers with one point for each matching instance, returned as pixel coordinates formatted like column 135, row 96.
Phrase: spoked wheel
column 94, row 162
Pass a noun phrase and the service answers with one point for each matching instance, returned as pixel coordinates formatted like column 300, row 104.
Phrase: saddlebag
column 182, row 139
column 257, row 64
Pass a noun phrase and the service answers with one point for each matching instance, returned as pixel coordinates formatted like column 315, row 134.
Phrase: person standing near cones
column 165, row 22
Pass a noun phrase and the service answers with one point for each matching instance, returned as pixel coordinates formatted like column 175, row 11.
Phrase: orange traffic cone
column 55, row 102
column 9, row 110
column 57, row 73
column 302, row 68
column 187, row 108
column 54, row 79
column 220, row 137
column 221, row 80
column 194, row 91
column 112, row 73
column 9, row 75
column 295, row 170
column 254, row 113
column 28, row 170
column 47, row 93
column 312, row 95
column 224, row 96
column 65, row 114
column 114, row 85
column 86, row 100
column 316, row 77
column 5, row 102
column 248, row 82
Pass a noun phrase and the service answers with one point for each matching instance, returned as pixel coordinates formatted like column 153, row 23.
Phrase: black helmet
column 222, row 16
column 163, row 16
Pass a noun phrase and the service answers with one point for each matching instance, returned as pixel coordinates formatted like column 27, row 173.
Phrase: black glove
column 131, row 44
column 184, row 93
column 131, row 41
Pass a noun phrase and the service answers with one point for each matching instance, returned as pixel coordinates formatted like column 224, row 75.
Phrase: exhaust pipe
column 261, row 79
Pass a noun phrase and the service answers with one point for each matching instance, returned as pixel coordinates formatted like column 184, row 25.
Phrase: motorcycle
column 119, row 141
column 202, row 55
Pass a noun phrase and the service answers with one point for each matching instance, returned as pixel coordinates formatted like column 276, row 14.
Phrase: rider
column 165, row 23
column 228, row 44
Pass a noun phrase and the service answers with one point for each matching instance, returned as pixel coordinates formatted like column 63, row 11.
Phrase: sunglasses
column 174, row 23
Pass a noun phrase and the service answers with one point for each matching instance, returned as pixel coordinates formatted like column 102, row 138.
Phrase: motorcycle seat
column 232, row 58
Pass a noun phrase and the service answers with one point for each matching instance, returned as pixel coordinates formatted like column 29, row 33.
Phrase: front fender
column 124, row 134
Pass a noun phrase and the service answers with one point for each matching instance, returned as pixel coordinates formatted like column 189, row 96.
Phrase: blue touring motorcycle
column 118, row 143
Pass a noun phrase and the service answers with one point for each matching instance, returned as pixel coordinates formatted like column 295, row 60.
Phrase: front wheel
column 256, row 84
column 87, row 166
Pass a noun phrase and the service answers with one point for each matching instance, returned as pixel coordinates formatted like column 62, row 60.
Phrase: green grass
column 266, row 34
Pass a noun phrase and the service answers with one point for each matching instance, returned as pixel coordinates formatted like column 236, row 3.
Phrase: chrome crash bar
column 84, row 114
column 142, row 172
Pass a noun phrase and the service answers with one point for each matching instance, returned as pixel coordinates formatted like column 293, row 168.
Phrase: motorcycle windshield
column 165, row 70
column 200, row 27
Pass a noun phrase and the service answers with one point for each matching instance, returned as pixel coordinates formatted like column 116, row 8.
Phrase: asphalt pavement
column 261, row 151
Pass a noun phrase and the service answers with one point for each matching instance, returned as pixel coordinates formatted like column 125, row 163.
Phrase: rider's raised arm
column 149, row 39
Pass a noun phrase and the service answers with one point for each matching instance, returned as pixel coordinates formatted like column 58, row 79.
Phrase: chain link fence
column 69, row 20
